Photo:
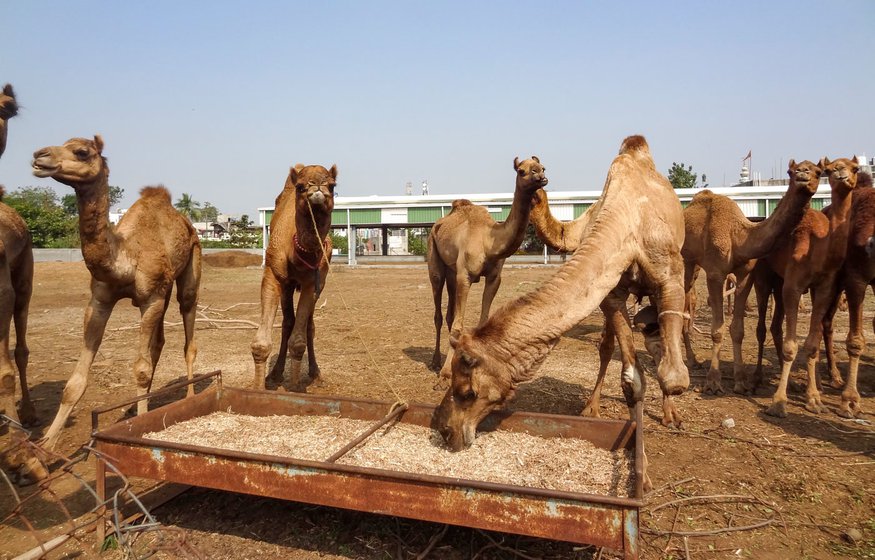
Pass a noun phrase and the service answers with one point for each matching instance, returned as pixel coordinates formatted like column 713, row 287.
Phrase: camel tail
column 636, row 146
column 159, row 191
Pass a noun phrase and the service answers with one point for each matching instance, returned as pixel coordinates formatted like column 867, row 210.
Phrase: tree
column 209, row 213
column 242, row 235
column 49, row 224
column 682, row 177
column 188, row 207
column 68, row 201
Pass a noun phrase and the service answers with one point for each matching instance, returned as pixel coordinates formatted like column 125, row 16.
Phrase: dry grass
column 563, row 464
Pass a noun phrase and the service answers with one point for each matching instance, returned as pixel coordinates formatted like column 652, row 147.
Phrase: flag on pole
column 747, row 157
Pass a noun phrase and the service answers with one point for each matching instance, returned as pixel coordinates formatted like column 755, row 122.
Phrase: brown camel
column 637, row 231
column 8, row 109
column 467, row 244
column 568, row 236
column 297, row 259
column 809, row 259
column 16, row 285
column 857, row 274
column 724, row 243
column 152, row 247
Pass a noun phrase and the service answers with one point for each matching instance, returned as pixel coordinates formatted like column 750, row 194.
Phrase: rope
column 673, row 312
column 400, row 401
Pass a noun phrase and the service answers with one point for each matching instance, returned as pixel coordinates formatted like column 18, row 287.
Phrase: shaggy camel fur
column 858, row 273
column 8, row 109
column 467, row 244
column 723, row 242
column 152, row 247
column 637, row 230
column 809, row 259
column 568, row 236
column 296, row 260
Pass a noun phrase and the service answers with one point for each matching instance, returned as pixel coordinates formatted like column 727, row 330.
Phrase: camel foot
column 815, row 405
column 648, row 485
column 442, row 383
column 275, row 376
column 741, row 388
column 436, row 363
column 713, row 388
column 27, row 415
column 590, row 411
column 836, row 382
column 31, row 472
column 674, row 424
column 317, row 381
column 778, row 409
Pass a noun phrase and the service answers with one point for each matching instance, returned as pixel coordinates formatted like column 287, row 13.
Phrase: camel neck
column 523, row 332
column 511, row 232
column 306, row 238
column 95, row 231
column 764, row 236
column 839, row 224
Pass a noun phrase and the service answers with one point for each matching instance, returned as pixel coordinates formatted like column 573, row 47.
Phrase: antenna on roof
column 408, row 188
column 425, row 186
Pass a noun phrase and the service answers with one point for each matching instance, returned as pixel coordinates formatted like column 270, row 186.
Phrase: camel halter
column 400, row 403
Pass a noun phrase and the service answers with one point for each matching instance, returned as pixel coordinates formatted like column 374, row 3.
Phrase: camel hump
column 635, row 145
column 159, row 191
column 459, row 202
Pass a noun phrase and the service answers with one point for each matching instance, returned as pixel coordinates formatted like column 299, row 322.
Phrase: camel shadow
column 46, row 398
column 584, row 332
column 550, row 395
column 421, row 354
column 827, row 427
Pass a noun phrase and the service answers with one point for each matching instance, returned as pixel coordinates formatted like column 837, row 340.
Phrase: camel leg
column 23, row 286
column 156, row 344
column 820, row 301
column 96, row 315
column 287, row 304
column 7, row 371
column 306, row 304
column 437, row 275
column 312, row 366
column 832, row 366
column 718, row 327
column 493, row 282
column 187, row 292
column 691, row 272
column 743, row 285
column 674, row 378
column 791, row 296
column 606, row 352
column 151, row 327
column 462, row 287
column 856, row 345
column 260, row 346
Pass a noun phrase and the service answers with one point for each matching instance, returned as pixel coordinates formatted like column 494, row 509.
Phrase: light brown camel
column 467, row 244
column 857, row 274
column 809, row 259
column 152, row 247
column 722, row 241
column 8, row 109
column 567, row 236
column 296, row 260
column 637, row 231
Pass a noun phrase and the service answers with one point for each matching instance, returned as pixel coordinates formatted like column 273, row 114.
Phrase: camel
column 809, row 259
column 467, row 244
column 567, row 236
column 857, row 274
column 8, row 109
column 297, row 259
column 152, row 247
column 637, row 233
column 725, row 244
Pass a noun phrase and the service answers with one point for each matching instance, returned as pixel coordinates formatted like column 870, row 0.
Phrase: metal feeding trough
column 600, row 520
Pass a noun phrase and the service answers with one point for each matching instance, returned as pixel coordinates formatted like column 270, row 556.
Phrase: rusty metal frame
column 601, row 520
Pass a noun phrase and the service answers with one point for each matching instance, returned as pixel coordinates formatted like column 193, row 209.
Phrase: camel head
column 529, row 174
column 479, row 385
column 77, row 162
column 842, row 172
column 8, row 109
column 313, row 184
column 804, row 175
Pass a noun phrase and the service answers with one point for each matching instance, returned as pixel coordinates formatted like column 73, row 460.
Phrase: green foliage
column 208, row 213
column 339, row 242
column 682, row 177
column 48, row 222
column 243, row 236
column 531, row 244
column 188, row 206
column 417, row 241
column 68, row 201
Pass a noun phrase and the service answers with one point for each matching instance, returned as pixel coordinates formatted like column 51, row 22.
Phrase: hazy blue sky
column 218, row 99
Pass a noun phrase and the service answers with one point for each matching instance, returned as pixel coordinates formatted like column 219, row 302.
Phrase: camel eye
column 81, row 153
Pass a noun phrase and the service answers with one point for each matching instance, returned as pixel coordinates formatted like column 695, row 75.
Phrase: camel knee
column 22, row 353
column 7, row 383
column 142, row 372
column 297, row 347
column 789, row 349
column 717, row 337
column 260, row 351
column 856, row 345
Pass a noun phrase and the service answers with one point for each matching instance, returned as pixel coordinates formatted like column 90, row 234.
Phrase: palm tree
column 188, row 206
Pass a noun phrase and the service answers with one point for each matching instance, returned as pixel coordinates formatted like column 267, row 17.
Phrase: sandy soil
column 375, row 335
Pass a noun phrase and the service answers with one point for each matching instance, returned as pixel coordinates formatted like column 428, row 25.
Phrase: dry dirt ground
column 816, row 473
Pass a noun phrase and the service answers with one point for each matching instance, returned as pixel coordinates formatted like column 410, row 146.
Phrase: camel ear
column 516, row 163
column 824, row 161
column 333, row 171
column 98, row 143
column 293, row 172
column 792, row 164
column 7, row 90
column 536, row 159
